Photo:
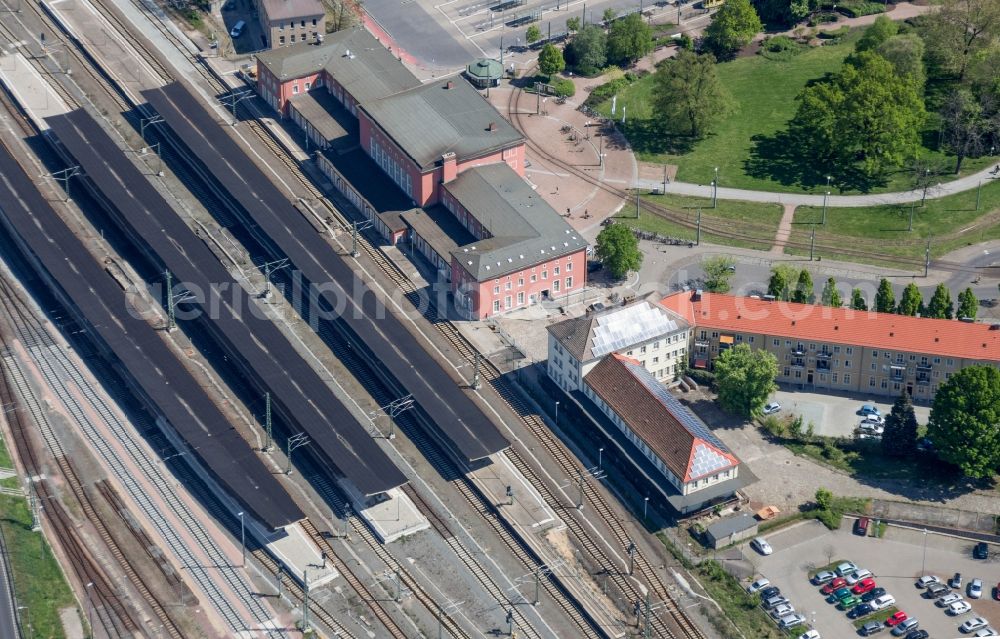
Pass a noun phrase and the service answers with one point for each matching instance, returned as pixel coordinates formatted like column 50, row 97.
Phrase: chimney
column 492, row 127
column 449, row 167
column 450, row 85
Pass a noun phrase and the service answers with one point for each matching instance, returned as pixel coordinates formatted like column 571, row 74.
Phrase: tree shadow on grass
column 650, row 136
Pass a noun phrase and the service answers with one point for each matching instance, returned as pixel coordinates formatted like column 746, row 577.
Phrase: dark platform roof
column 167, row 385
column 458, row 419
column 268, row 359
column 432, row 119
column 525, row 229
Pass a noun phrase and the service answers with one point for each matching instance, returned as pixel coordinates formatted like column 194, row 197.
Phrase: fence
column 934, row 515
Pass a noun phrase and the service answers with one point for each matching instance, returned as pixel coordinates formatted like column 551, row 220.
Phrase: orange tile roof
column 950, row 338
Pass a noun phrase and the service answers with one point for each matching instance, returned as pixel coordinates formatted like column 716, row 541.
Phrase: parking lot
column 896, row 560
column 835, row 415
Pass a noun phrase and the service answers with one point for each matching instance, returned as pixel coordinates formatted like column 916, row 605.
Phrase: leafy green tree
column 629, row 39
column 906, row 54
column 718, row 271
column 688, row 95
column 968, row 305
column 965, row 420
column 587, row 52
column 966, row 128
column 831, row 294
column 858, row 302
column 900, row 436
column 618, row 249
column 533, row 34
column 959, row 33
column 610, row 13
column 784, row 12
column 732, row 28
column 911, row 301
column 885, row 298
column 804, row 292
column 824, row 499
column 940, row 305
column 866, row 115
column 878, row 32
column 745, row 379
column 550, row 60
column 573, row 24
column 782, row 279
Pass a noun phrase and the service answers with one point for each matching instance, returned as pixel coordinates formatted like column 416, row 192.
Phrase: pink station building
column 455, row 160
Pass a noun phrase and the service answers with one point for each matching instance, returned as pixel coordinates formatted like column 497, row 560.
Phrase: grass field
column 749, row 145
column 38, row 579
column 5, row 460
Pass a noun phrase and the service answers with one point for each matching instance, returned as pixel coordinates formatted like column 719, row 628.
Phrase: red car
column 896, row 618
column 996, row 592
column 863, row 586
column 839, row 582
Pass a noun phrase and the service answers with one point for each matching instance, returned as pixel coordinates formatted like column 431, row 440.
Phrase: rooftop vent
column 793, row 322
column 995, row 327
column 891, row 334
column 937, row 339
column 836, row 328
column 493, row 125
column 768, row 298
column 450, row 85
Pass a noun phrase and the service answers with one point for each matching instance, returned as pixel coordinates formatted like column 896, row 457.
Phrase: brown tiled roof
column 950, row 338
column 674, row 434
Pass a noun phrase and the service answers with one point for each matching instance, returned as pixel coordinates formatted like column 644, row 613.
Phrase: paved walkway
column 784, row 230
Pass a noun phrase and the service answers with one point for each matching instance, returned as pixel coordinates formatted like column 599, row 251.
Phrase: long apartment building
column 837, row 349
column 449, row 154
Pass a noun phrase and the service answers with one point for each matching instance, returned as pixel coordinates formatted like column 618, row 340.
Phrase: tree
column 780, row 284
column 885, row 298
column 688, row 95
column 911, row 301
column 533, row 34
column 900, row 436
column 968, row 305
column 550, row 60
column 587, row 52
column 824, row 499
column 732, row 28
column 940, row 305
column 629, row 39
column 905, row 53
column 965, row 128
column 959, row 33
column 881, row 30
column 866, row 115
column 831, row 294
column 573, row 24
column 618, row 250
column 610, row 13
column 965, row 420
column 785, row 12
column 745, row 379
column 718, row 271
column 803, row 293
column 858, row 302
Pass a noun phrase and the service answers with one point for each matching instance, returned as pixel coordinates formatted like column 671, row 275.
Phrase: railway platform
column 391, row 515
column 508, row 490
column 299, row 555
column 33, row 94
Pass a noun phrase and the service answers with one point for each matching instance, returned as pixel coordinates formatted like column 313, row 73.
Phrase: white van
column 237, row 29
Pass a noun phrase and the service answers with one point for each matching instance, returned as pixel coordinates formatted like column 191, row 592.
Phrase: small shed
column 484, row 72
column 730, row 530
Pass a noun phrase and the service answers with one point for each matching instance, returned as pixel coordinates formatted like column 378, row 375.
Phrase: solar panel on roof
column 630, row 325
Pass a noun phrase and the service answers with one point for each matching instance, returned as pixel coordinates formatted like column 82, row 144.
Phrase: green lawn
column 5, row 460
column 763, row 93
column 756, row 220
column 38, row 579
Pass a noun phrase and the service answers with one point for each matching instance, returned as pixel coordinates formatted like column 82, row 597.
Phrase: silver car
column 790, row 621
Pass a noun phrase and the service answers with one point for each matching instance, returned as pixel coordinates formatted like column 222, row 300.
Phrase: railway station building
column 837, row 349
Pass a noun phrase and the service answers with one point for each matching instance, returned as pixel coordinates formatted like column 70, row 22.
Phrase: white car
column 871, row 428
column 790, row 621
column 782, row 610
column 822, row 577
column 947, row 600
column 927, row 580
column 971, row 625
column 772, row 408
column 846, row 568
column 858, row 575
column 810, row 634
column 760, row 584
column 760, row 545
column 975, row 589
column 988, row 631
column 878, row 603
column 958, row 608
column 873, row 419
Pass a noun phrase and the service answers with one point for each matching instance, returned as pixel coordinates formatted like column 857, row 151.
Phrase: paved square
column 895, row 560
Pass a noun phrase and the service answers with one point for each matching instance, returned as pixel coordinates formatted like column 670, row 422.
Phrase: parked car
column 918, row 634
column 846, row 568
column 848, row 602
column 927, row 580
column 810, row 634
column 871, row 429
column 773, row 602
column 905, row 626
column 996, row 592
column 936, row 590
column 237, row 29
column 948, row 599
column 772, row 408
column 869, row 409
column 877, row 420
column 858, row 575
column 956, row 581
column 863, row 586
column 822, row 577
column 759, row 585
column 859, row 611
column 760, row 545
column 769, row 592
column 871, row 628
column 896, row 618
column 974, row 624
column 988, row 631
column 882, row 602
column 861, row 526
column 791, row 621
column 958, row 608
column 975, row 590
column 838, row 594
column 873, row 594
column 782, row 610
column 981, row 550
column 839, row 582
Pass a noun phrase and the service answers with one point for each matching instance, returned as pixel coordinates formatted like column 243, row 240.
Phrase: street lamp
column 243, row 540
column 825, row 195
column 90, row 608
column 715, row 188
column 645, row 506
column 600, row 456
column 557, row 414
column 923, row 562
